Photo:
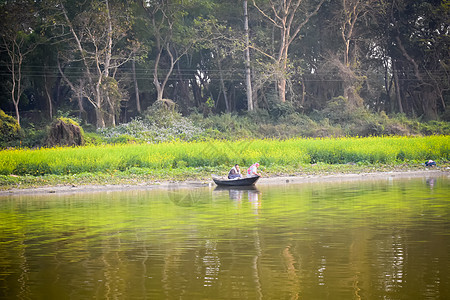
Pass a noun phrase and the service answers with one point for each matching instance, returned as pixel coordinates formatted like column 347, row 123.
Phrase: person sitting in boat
column 235, row 172
column 253, row 170
column 430, row 163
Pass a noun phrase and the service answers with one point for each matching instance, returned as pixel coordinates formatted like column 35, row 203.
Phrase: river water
column 382, row 239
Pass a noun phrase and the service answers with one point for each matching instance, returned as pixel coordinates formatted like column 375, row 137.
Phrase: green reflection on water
column 365, row 239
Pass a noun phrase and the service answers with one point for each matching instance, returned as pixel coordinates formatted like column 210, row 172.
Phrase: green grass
column 184, row 160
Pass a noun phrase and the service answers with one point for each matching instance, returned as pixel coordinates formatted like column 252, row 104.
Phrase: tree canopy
column 106, row 61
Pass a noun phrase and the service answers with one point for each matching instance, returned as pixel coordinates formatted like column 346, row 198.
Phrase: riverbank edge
column 188, row 184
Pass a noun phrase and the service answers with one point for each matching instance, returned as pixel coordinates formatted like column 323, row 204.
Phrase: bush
column 33, row 137
column 278, row 109
column 10, row 131
column 338, row 110
column 92, row 138
column 162, row 113
column 230, row 126
column 65, row 132
column 161, row 123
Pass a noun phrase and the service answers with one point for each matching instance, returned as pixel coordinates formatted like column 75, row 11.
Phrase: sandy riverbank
column 276, row 180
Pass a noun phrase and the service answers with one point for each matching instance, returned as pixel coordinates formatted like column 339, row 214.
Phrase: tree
column 248, row 79
column 18, row 40
column 417, row 35
column 102, row 42
column 349, row 17
column 218, row 59
column 171, row 38
column 286, row 17
column 385, row 55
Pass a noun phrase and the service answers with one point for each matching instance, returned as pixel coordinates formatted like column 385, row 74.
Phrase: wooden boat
column 246, row 181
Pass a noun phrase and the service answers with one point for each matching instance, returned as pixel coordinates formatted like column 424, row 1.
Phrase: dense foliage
column 9, row 129
column 336, row 66
column 292, row 153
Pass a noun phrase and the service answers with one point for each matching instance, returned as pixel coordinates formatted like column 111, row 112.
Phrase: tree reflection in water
column 361, row 240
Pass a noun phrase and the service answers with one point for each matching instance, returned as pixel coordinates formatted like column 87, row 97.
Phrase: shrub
column 161, row 123
column 338, row 110
column 230, row 126
column 65, row 132
column 9, row 130
column 92, row 138
column 33, row 136
column 278, row 109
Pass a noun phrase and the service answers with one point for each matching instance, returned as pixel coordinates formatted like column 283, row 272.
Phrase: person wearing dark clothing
column 430, row 163
column 235, row 172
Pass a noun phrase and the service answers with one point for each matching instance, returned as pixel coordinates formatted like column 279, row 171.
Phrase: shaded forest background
column 226, row 68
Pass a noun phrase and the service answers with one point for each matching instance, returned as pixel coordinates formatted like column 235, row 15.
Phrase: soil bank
column 275, row 180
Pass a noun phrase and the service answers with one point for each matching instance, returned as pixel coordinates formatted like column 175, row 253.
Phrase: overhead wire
column 211, row 74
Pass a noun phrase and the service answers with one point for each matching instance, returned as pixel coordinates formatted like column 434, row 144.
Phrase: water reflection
column 367, row 240
column 238, row 194
column 185, row 197
column 431, row 182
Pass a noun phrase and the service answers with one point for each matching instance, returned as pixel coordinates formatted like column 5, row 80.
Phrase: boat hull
column 248, row 181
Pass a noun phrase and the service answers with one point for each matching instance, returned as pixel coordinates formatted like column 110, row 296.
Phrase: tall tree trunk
column 16, row 56
column 136, row 87
column 16, row 88
column 222, row 84
column 49, row 97
column 183, row 86
column 80, row 99
column 351, row 12
column 302, row 103
column 387, row 82
column 282, row 88
column 107, row 66
column 100, row 119
column 98, row 107
column 429, row 103
column 248, row 80
column 282, row 80
column 397, row 89
column 158, row 85
column 112, row 108
column 197, row 92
